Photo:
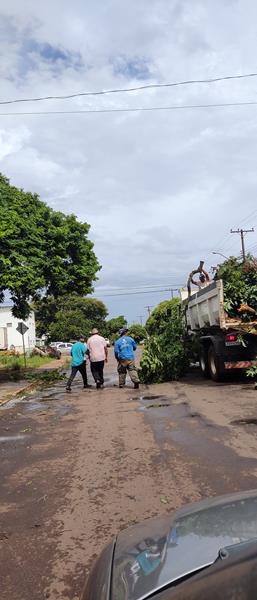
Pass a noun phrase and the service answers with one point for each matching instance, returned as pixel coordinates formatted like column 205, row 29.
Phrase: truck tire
column 203, row 361
column 217, row 372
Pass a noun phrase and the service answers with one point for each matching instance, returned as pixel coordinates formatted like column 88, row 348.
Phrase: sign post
column 22, row 328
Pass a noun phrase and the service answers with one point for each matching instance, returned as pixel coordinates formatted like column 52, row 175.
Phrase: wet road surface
column 76, row 468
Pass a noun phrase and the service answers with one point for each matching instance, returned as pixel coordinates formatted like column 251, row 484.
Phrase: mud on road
column 77, row 468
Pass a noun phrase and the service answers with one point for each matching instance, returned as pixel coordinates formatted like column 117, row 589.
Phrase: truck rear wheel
column 216, row 370
column 203, row 361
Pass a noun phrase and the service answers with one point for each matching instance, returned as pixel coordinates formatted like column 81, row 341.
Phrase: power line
column 137, row 287
column 253, row 247
column 243, row 221
column 137, row 109
column 130, row 89
column 224, row 241
column 134, row 293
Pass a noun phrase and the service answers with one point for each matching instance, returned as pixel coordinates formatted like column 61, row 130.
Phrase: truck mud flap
column 240, row 364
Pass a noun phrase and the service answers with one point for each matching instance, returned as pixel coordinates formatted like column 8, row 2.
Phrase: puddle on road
column 148, row 401
column 12, row 438
column 246, row 421
column 50, row 398
column 176, row 421
column 156, row 405
column 150, row 397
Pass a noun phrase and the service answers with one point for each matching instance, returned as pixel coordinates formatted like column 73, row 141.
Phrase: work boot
column 87, row 385
column 98, row 385
column 121, row 386
column 136, row 386
column 68, row 389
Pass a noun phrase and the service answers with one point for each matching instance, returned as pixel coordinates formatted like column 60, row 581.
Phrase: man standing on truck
column 78, row 362
column 98, row 355
column 124, row 349
column 203, row 281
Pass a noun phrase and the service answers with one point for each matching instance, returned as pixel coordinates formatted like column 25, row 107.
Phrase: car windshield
column 181, row 547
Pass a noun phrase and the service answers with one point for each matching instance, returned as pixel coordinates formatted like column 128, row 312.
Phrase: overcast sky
column 160, row 189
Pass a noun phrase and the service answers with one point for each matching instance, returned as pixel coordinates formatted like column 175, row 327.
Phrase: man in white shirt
column 98, row 355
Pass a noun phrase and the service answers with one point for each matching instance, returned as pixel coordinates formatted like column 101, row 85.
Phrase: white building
column 9, row 336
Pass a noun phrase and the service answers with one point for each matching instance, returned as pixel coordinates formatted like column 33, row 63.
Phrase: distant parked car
column 63, row 347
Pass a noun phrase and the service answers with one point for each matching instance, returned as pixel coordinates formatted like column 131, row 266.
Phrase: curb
column 17, row 393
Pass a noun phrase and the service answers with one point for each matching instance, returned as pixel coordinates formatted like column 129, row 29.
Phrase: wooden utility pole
column 242, row 234
column 172, row 290
column 148, row 308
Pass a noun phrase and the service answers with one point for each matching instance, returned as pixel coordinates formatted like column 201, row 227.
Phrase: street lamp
column 226, row 257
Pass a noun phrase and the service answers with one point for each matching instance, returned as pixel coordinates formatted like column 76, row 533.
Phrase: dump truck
column 225, row 343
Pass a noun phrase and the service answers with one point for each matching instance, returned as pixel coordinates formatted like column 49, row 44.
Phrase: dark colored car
column 204, row 551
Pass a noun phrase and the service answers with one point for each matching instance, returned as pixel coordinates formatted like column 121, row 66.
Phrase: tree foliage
column 68, row 316
column 240, row 286
column 42, row 252
column 161, row 316
column 165, row 354
column 138, row 332
column 113, row 325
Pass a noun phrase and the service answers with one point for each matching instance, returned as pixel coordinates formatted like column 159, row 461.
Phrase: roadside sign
column 22, row 328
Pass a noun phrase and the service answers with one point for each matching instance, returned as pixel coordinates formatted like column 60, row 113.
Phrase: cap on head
column 123, row 330
column 94, row 331
column 82, row 337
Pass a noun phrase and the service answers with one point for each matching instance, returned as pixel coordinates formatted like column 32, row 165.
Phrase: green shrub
column 138, row 332
column 151, row 365
column 240, row 286
column 46, row 376
column 165, row 355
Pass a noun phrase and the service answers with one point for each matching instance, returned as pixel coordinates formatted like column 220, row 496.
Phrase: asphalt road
column 76, row 468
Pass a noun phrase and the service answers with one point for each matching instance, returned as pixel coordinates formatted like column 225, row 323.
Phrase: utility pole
column 242, row 234
column 172, row 292
column 148, row 308
column 140, row 317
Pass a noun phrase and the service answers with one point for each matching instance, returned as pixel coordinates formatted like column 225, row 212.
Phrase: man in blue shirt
column 124, row 349
column 78, row 362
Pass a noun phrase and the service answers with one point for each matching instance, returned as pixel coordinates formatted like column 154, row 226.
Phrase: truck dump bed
column 205, row 310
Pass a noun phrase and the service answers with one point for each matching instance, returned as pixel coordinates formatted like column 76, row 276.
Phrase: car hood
column 160, row 551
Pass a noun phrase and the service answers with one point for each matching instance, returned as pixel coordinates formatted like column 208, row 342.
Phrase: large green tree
column 161, row 316
column 68, row 316
column 113, row 325
column 42, row 252
column 165, row 355
column 138, row 332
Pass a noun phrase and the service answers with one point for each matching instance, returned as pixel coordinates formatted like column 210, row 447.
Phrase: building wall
column 14, row 338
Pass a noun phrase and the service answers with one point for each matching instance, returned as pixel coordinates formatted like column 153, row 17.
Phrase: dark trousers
column 83, row 371
column 97, row 370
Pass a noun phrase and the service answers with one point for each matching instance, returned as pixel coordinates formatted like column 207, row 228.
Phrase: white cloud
column 12, row 141
column 160, row 189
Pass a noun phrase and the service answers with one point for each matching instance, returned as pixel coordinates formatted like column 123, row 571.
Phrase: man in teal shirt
column 78, row 362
